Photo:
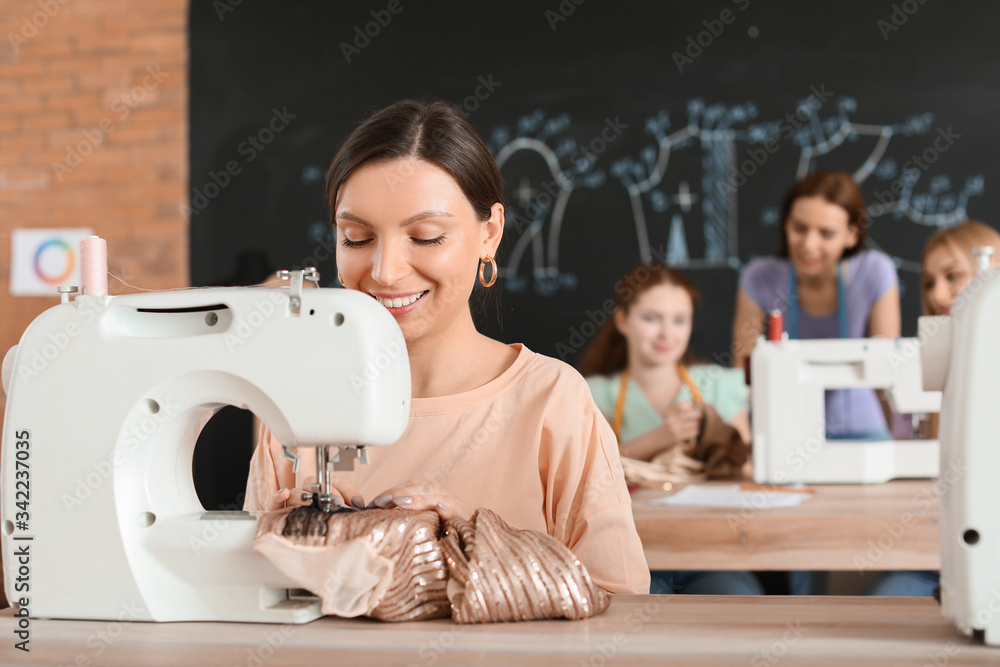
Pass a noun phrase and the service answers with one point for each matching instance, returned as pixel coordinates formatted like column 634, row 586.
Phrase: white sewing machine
column 106, row 397
column 962, row 358
column 788, row 383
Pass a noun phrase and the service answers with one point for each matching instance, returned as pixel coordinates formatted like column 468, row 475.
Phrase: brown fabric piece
column 693, row 460
column 712, row 446
column 499, row 573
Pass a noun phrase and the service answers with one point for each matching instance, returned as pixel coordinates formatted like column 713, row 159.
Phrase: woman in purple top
column 827, row 286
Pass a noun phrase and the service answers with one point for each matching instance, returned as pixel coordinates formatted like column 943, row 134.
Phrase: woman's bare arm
column 748, row 324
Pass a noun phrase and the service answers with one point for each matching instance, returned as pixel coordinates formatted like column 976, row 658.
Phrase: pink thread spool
column 94, row 266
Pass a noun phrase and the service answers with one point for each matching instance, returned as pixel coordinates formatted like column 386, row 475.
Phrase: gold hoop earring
column 340, row 279
column 493, row 274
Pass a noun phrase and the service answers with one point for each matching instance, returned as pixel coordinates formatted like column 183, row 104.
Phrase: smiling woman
column 417, row 204
column 413, row 243
column 689, row 422
column 826, row 285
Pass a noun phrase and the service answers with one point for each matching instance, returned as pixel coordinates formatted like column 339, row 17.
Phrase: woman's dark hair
column 836, row 187
column 435, row 132
column 432, row 131
column 608, row 351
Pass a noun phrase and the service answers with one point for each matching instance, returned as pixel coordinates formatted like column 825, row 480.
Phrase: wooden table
column 890, row 526
column 637, row 629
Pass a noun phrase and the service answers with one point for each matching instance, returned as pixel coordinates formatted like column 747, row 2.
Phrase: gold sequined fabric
column 408, row 539
column 508, row 574
column 493, row 572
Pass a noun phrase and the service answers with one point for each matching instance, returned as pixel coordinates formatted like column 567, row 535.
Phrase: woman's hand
column 287, row 497
column 681, row 422
column 420, row 495
column 340, row 489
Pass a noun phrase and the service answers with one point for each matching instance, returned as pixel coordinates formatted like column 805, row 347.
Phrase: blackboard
column 625, row 130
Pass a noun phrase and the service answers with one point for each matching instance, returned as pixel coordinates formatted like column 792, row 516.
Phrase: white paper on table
column 730, row 495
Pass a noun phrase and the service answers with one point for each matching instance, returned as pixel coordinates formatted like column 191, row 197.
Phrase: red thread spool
column 775, row 325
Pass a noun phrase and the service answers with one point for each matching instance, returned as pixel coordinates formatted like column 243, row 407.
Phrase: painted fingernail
column 382, row 501
column 279, row 491
column 442, row 507
column 358, row 502
column 403, row 500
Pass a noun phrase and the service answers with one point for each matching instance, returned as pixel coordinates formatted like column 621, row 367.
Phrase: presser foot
column 321, row 499
column 324, row 502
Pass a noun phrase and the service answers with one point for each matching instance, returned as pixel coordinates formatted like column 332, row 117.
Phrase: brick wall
column 93, row 133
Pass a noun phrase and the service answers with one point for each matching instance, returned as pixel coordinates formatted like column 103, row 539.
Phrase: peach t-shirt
column 530, row 445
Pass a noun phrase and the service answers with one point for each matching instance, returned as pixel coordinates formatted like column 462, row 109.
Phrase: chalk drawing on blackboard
column 937, row 207
column 677, row 250
column 542, row 199
column 714, row 129
column 544, row 165
column 818, row 137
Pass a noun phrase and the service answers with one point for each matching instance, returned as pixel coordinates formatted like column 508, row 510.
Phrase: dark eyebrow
column 416, row 217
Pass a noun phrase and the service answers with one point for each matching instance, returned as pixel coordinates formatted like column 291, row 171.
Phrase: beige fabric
column 531, row 446
column 324, row 571
column 387, row 564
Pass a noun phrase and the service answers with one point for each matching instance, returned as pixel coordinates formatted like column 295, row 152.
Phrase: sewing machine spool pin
column 67, row 291
column 295, row 278
column 984, row 255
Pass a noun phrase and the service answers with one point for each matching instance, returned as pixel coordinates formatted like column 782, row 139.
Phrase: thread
column 141, row 289
column 94, row 266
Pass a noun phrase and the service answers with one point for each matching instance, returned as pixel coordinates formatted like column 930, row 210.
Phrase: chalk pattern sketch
column 545, row 202
column 719, row 132
column 711, row 129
